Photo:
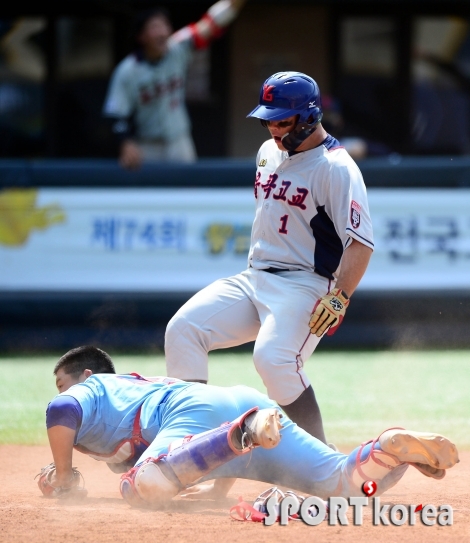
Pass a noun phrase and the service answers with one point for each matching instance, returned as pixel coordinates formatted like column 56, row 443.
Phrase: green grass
column 360, row 393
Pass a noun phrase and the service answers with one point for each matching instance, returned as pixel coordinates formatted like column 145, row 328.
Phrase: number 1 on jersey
column 283, row 229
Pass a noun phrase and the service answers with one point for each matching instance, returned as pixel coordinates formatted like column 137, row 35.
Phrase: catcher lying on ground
column 165, row 435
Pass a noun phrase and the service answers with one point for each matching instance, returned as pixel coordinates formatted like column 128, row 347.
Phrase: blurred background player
column 128, row 419
column 146, row 94
column 310, row 246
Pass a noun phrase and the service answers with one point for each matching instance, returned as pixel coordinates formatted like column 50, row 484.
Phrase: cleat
column 429, row 471
column 263, row 428
column 420, row 449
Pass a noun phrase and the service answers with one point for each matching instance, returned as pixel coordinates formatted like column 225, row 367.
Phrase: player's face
column 277, row 129
column 154, row 36
column 63, row 381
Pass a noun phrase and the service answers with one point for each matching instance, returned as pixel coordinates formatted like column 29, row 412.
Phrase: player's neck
column 153, row 55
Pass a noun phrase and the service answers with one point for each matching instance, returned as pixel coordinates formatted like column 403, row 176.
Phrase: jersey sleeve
column 119, row 101
column 182, row 39
column 64, row 411
column 348, row 205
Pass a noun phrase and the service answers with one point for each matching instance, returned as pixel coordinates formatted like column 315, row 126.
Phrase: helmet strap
column 292, row 140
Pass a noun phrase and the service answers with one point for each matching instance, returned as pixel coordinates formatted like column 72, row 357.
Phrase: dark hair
column 86, row 357
column 141, row 18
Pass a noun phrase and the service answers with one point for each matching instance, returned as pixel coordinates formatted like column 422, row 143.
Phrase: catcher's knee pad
column 160, row 479
column 147, row 484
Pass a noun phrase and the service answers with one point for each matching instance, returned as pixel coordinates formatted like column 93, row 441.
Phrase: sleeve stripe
column 359, row 236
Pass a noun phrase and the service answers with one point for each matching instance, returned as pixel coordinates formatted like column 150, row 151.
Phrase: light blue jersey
column 110, row 404
column 172, row 410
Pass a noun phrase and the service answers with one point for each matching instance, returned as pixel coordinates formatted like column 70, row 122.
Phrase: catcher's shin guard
column 370, row 462
column 160, row 479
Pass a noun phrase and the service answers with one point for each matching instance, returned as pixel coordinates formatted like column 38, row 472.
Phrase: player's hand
column 66, row 488
column 329, row 313
column 130, row 156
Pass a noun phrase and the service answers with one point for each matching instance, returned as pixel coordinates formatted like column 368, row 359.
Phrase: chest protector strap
column 125, row 450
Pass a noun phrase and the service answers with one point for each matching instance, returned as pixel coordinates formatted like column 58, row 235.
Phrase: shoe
column 420, row 449
column 429, row 471
column 263, row 427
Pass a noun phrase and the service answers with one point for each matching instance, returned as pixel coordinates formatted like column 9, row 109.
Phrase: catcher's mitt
column 72, row 489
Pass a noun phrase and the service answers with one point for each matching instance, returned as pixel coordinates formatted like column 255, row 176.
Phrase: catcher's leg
column 376, row 460
column 157, row 480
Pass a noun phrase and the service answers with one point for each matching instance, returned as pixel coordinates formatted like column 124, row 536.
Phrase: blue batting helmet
column 285, row 94
column 289, row 93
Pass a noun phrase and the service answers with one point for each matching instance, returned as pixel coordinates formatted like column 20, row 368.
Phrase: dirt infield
column 25, row 516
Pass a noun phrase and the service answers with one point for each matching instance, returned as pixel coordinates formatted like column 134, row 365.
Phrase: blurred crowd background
column 394, row 74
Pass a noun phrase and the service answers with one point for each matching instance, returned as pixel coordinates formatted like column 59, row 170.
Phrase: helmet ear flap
column 315, row 116
column 302, row 130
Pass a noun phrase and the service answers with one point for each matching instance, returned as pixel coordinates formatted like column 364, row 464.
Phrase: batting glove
column 328, row 313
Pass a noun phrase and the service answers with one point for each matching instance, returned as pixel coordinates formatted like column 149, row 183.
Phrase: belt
column 276, row 270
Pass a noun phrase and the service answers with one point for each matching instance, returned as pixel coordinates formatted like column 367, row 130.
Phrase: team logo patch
column 355, row 214
column 336, row 304
column 268, row 93
column 262, row 162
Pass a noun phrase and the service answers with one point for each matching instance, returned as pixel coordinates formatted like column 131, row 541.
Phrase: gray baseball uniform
column 309, row 206
column 155, row 94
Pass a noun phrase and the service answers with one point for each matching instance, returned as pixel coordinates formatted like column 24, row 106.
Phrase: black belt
column 276, row 270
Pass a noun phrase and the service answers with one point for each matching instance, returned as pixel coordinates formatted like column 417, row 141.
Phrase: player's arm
column 347, row 205
column 330, row 310
column 130, row 156
column 59, row 479
column 353, row 266
column 211, row 25
column 61, row 440
column 117, row 109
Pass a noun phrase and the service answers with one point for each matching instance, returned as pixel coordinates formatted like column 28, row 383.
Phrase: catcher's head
column 78, row 364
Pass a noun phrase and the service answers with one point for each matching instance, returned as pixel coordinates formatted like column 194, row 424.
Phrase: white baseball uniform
column 309, row 206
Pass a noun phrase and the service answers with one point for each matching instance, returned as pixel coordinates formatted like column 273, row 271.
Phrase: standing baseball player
column 167, row 434
column 147, row 88
column 310, row 246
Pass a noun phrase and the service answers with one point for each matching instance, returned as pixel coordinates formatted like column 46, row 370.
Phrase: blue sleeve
column 64, row 411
